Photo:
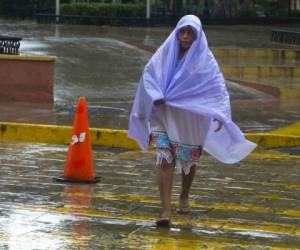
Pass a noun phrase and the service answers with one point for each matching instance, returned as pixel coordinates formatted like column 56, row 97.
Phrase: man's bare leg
column 187, row 181
column 165, row 182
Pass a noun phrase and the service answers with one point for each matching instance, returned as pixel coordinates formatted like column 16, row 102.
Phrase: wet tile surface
column 251, row 205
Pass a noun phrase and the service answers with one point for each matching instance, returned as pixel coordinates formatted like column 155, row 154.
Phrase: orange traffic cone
column 79, row 164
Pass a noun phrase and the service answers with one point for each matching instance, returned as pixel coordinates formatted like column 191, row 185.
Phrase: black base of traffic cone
column 72, row 180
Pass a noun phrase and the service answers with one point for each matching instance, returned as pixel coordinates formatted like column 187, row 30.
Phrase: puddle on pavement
column 290, row 150
column 250, row 205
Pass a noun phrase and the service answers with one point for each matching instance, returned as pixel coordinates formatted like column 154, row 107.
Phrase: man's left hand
column 219, row 125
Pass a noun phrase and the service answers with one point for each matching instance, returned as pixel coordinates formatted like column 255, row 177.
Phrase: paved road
column 105, row 63
column 251, row 205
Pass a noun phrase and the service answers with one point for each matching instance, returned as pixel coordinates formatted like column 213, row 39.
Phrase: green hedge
column 103, row 10
column 49, row 3
column 247, row 13
column 295, row 13
column 18, row 8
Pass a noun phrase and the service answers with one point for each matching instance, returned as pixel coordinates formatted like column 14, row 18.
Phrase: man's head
column 186, row 37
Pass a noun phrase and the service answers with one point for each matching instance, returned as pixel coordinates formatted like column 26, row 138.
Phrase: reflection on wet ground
column 250, row 205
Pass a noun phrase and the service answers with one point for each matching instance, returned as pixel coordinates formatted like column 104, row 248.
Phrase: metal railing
column 9, row 45
column 284, row 36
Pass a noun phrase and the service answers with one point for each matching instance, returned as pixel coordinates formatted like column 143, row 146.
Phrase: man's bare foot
column 184, row 207
column 164, row 220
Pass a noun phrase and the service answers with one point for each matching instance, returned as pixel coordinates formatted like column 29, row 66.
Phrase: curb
column 28, row 57
column 25, row 132
column 282, row 92
column 256, row 52
column 55, row 134
column 292, row 129
column 270, row 140
column 260, row 71
column 267, row 89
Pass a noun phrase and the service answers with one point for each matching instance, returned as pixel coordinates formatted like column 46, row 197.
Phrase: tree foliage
column 233, row 8
column 213, row 8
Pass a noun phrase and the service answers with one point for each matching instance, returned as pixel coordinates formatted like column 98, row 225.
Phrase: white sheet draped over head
column 195, row 85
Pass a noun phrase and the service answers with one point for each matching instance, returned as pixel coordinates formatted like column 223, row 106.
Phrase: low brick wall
column 27, row 78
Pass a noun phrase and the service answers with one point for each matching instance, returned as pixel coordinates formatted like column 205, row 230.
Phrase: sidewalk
column 251, row 205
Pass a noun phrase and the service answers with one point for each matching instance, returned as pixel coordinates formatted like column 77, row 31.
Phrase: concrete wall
column 27, row 78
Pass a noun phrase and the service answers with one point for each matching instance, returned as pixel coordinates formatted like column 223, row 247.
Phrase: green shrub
column 46, row 4
column 279, row 13
column 295, row 13
column 247, row 13
column 21, row 8
column 1, row 7
column 103, row 10
column 273, row 8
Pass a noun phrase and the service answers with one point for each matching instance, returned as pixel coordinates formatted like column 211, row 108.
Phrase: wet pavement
column 250, row 205
column 104, row 64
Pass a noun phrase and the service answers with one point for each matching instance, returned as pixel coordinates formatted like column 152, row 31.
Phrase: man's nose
column 185, row 34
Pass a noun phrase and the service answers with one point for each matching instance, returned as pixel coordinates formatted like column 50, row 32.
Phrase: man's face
column 186, row 37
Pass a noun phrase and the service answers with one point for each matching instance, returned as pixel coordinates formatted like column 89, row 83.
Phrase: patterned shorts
column 184, row 152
